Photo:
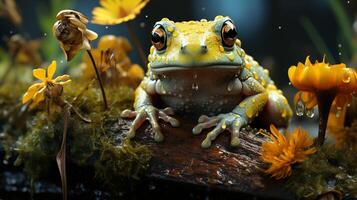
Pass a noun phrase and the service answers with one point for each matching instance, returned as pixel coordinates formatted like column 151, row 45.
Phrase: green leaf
column 317, row 39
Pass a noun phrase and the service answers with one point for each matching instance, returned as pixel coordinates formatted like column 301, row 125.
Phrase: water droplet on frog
column 44, row 34
column 289, row 83
column 299, row 108
column 310, row 112
column 195, row 86
column 339, row 45
column 348, row 105
column 230, row 86
column 106, row 27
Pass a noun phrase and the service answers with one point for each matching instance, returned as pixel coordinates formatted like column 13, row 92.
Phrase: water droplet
column 299, row 108
column 338, row 113
column 107, row 27
column 11, row 32
column 346, row 78
column 230, row 86
column 348, row 105
column 44, row 34
column 348, row 2
column 61, row 61
column 339, row 45
column 195, row 86
column 310, row 112
column 279, row 27
column 339, row 53
column 146, row 16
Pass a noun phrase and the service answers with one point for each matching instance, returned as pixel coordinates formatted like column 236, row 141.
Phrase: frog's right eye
column 158, row 37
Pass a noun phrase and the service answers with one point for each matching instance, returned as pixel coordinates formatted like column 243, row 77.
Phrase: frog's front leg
column 239, row 117
column 144, row 110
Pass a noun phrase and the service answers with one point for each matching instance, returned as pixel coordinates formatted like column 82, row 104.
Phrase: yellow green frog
column 198, row 68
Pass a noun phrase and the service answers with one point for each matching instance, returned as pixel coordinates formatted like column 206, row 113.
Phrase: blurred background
column 277, row 33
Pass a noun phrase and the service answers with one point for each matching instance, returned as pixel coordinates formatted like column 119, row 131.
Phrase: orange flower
column 310, row 78
column 283, row 151
column 323, row 85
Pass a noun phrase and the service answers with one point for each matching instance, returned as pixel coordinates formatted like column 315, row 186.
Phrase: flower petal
column 51, row 70
column 40, row 74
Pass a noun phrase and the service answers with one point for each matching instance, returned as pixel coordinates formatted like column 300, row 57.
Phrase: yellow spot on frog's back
column 255, row 75
column 203, row 20
column 165, row 19
column 170, row 29
column 248, row 65
column 224, row 125
column 175, row 34
column 238, row 42
column 218, row 17
column 249, row 112
column 221, row 49
column 230, row 56
column 152, row 48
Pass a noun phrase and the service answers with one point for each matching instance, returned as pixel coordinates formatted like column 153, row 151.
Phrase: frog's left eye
column 228, row 33
column 158, row 37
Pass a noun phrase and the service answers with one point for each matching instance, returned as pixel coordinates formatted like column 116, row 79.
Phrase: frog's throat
column 166, row 68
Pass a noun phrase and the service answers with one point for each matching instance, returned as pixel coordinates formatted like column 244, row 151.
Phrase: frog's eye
column 228, row 33
column 158, row 37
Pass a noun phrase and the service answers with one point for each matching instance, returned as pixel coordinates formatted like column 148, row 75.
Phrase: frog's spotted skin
column 197, row 75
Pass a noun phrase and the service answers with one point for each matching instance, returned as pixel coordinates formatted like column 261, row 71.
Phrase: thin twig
column 99, row 79
column 61, row 155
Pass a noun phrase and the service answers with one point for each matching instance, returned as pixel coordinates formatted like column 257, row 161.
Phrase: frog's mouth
column 217, row 66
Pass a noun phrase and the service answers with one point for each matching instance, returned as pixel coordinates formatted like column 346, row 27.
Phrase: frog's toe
column 128, row 113
column 138, row 121
column 164, row 115
column 204, row 122
column 212, row 135
column 158, row 136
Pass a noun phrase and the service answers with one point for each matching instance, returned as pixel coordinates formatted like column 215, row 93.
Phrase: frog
column 198, row 69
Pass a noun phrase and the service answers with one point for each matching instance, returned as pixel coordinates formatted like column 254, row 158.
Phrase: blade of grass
column 317, row 39
column 344, row 23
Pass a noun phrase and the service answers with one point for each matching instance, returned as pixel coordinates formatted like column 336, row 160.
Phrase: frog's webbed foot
column 152, row 114
column 230, row 121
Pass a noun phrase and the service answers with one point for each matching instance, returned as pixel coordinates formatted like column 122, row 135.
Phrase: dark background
column 270, row 30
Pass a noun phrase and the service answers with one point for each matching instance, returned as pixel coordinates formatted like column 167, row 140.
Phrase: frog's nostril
column 184, row 49
column 204, row 48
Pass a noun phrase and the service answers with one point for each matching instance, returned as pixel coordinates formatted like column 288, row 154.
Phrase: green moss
column 97, row 144
column 118, row 164
column 329, row 169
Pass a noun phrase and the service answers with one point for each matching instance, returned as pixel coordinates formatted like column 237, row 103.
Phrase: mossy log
column 180, row 158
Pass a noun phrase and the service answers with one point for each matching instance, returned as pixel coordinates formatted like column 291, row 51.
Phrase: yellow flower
column 71, row 31
column 117, row 11
column 311, row 78
column 36, row 92
column 284, row 151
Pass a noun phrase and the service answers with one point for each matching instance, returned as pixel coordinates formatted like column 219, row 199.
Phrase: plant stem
column 99, row 79
column 324, row 102
column 137, row 43
column 61, row 155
